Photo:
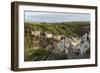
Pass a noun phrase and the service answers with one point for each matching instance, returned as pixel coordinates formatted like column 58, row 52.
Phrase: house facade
column 84, row 44
column 36, row 33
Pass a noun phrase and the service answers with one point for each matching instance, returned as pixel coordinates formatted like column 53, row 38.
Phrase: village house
column 48, row 35
column 62, row 45
column 36, row 33
column 74, row 42
column 84, row 44
column 70, row 44
column 58, row 37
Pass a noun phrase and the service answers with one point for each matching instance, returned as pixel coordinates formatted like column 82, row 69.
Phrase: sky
column 55, row 17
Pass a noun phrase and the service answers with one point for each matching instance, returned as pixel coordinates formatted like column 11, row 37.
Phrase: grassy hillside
column 68, row 28
column 76, row 29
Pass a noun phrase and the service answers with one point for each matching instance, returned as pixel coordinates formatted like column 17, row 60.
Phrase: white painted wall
column 5, row 28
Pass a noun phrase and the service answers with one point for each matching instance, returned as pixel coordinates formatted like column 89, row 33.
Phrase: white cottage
column 36, row 33
column 48, row 35
column 63, row 45
column 74, row 42
column 57, row 37
column 84, row 44
column 59, row 47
